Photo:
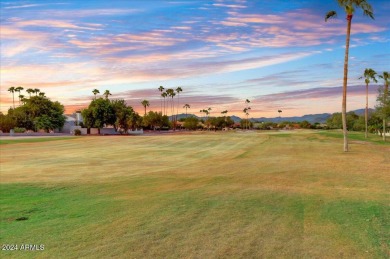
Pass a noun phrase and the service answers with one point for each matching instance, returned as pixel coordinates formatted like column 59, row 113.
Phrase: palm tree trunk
column 366, row 113
column 344, row 103
column 13, row 99
column 384, row 112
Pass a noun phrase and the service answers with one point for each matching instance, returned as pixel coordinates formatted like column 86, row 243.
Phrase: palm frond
column 330, row 14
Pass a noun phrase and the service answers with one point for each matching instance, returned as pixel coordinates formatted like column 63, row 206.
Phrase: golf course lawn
column 292, row 194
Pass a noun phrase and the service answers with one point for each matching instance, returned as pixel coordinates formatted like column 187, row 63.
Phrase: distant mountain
column 312, row 118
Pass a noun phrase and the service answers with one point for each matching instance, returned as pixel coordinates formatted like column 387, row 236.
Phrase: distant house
column 69, row 122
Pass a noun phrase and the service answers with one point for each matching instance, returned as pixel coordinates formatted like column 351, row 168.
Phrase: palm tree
column 144, row 104
column 164, row 94
column 186, row 106
column 42, row 94
column 36, row 91
column 246, row 111
column 385, row 101
column 21, row 98
column 18, row 89
column 30, row 91
column 107, row 93
column 178, row 90
column 12, row 90
column 171, row 93
column 349, row 7
column 161, row 89
column 368, row 74
column 279, row 111
column 95, row 92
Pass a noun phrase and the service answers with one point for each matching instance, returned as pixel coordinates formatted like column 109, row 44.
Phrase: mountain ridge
column 311, row 118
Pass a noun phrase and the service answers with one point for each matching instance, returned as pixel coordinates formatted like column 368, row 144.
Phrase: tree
column 191, row 123
column 144, row 104
column 107, row 93
column 279, row 111
column 12, row 90
column 7, row 122
column 369, row 74
column 21, row 98
column 95, row 92
column 155, row 120
column 178, row 90
column 42, row 94
column 161, row 89
column 171, row 93
column 19, row 89
column 30, row 91
column 100, row 112
column 123, row 115
column 39, row 113
column 164, row 94
column 186, row 106
column 36, row 91
column 384, row 101
column 244, row 123
column 246, row 111
column 349, row 7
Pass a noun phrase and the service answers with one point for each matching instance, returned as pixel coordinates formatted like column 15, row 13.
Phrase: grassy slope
column 203, row 195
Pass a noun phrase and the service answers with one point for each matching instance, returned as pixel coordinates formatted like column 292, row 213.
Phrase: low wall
column 135, row 132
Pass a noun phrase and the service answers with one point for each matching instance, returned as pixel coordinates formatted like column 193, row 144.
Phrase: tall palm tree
column 30, row 91
column 164, row 95
column 161, row 89
column 385, row 101
column 246, row 111
column 36, row 91
column 95, row 92
column 279, row 111
column 349, row 7
column 18, row 89
column 144, row 104
column 12, row 90
column 107, row 93
column 369, row 74
column 171, row 93
column 42, row 94
column 186, row 106
column 178, row 90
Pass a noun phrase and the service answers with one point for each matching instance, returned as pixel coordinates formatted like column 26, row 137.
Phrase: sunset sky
column 278, row 54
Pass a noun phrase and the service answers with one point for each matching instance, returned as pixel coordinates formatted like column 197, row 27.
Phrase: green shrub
column 19, row 130
column 77, row 132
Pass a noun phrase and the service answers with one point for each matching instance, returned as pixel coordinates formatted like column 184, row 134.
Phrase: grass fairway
column 202, row 195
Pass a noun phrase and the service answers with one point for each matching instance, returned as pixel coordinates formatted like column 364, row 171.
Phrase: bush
column 19, row 130
column 77, row 132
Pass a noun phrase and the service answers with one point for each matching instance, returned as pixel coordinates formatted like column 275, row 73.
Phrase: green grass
column 353, row 135
column 31, row 140
column 213, row 195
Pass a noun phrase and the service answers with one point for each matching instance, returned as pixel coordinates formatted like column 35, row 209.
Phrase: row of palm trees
column 18, row 89
column 170, row 94
column 105, row 94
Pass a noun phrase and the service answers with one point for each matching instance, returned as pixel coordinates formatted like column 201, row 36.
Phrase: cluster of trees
column 356, row 122
column 103, row 111
column 169, row 104
column 33, row 113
